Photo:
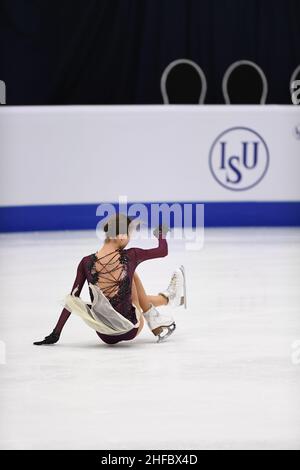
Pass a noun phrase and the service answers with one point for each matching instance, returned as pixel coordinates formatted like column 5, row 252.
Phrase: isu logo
column 239, row 158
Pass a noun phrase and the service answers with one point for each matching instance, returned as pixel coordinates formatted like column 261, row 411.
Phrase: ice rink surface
column 224, row 380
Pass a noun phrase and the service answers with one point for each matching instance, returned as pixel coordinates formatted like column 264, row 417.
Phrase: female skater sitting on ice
column 119, row 301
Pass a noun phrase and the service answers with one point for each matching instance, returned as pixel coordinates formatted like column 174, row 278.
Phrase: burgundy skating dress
column 113, row 273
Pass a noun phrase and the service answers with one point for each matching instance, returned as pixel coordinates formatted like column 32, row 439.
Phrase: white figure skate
column 160, row 325
column 176, row 291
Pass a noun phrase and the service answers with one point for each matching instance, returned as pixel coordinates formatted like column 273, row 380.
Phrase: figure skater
column 119, row 301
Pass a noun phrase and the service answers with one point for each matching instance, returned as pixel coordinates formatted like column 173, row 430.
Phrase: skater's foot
column 165, row 332
column 175, row 292
column 161, row 326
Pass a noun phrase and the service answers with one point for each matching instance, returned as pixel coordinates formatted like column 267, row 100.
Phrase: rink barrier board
column 83, row 216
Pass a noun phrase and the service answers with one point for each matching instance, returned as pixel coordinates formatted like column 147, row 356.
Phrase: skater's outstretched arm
column 159, row 252
column 78, row 284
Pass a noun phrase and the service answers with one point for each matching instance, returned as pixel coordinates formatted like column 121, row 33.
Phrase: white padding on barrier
column 90, row 154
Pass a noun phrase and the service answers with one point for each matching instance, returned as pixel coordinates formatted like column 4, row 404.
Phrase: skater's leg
column 158, row 324
column 140, row 292
column 157, row 300
column 144, row 299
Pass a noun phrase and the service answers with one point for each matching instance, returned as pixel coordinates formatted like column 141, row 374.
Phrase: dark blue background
column 114, row 51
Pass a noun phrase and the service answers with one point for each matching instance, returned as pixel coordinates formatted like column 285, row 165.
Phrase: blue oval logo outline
column 267, row 154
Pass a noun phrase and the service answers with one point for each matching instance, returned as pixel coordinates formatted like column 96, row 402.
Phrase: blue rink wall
column 83, row 216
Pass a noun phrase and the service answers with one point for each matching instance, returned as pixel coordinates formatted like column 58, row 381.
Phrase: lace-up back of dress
column 109, row 273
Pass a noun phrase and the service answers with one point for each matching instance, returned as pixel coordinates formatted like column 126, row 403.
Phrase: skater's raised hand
column 161, row 229
column 51, row 339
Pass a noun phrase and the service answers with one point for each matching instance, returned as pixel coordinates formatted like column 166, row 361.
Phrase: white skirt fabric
column 101, row 316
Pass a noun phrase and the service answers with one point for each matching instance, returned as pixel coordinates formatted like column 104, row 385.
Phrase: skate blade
column 170, row 330
column 183, row 298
